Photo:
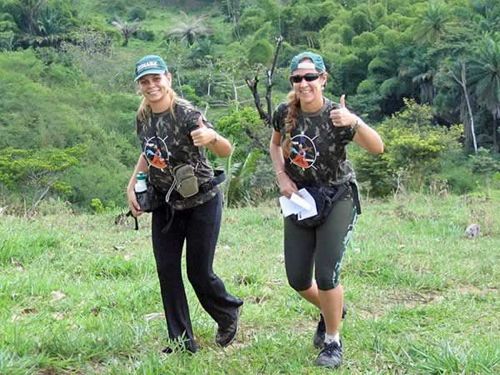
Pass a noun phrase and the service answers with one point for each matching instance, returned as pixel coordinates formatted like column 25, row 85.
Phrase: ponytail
column 290, row 123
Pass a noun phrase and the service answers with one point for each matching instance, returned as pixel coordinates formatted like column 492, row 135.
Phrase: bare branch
column 253, row 83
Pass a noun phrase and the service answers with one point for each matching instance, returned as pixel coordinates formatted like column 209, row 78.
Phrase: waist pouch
column 219, row 177
column 186, row 183
column 325, row 197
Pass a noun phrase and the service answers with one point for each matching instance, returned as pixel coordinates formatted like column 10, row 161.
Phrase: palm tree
column 434, row 25
column 190, row 29
column 126, row 29
column 485, row 79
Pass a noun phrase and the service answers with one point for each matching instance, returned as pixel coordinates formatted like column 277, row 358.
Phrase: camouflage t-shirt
column 166, row 143
column 318, row 153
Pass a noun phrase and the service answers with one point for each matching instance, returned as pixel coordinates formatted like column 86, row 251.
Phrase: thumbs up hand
column 342, row 117
column 203, row 135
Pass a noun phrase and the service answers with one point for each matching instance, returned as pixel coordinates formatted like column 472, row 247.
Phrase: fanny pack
column 185, row 181
column 325, row 197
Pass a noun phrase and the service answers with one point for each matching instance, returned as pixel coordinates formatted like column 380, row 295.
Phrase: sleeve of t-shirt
column 278, row 120
column 191, row 120
column 139, row 128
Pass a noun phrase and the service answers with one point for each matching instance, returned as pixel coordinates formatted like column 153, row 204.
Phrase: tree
column 458, row 73
column 41, row 23
column 190, row 29
column 485, row 79
column 434, row 25
column 126, row 29
column 35, row 173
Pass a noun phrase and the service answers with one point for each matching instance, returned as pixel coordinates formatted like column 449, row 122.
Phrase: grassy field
column 79, row 295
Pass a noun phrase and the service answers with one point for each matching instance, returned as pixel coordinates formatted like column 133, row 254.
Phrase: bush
column 136, row 14
column 484, row 163
column 414, row 150
column 97, row 205
column 146, row 35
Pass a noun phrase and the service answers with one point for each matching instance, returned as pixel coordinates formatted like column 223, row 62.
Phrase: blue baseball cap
column 317, row 60
column 150, row 64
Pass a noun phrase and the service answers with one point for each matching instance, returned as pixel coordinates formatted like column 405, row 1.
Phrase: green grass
column 79, row 295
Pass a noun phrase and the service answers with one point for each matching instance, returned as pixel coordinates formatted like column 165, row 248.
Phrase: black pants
column 199, row 227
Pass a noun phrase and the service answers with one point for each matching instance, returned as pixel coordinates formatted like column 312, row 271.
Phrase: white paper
column 302, row 204
column 312, row 210
column 287, row 206
column 300, row 201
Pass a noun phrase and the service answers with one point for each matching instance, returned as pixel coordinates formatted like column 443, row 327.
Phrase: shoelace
column 332, row 348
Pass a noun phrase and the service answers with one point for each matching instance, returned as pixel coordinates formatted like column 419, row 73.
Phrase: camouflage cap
column 150, row 64
column 317, row 60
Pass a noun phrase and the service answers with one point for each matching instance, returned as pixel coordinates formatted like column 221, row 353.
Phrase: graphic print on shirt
column 156, row 152
column 304, row 152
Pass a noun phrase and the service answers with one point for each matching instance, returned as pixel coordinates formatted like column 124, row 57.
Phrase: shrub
column 414, row 150
column 97, row 205
column 146, row 35
column 136, row 13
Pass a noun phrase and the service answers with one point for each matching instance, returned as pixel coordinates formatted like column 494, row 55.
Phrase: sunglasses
column 309, row 77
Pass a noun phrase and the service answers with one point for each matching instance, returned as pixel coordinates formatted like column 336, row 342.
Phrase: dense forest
column 426, row 74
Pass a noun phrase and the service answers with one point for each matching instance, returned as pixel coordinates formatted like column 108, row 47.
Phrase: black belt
column 219, row 177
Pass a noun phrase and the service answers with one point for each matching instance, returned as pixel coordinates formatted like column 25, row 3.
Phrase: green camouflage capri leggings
column 320, row 248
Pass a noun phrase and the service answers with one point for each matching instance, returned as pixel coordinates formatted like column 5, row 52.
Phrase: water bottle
column 140, row 189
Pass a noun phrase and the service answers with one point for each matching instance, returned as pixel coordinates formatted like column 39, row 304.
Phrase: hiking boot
column 330, row 355
column 226, row 335
column 319, row 335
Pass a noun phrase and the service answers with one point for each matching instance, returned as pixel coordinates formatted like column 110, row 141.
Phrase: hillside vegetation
column 67, row 100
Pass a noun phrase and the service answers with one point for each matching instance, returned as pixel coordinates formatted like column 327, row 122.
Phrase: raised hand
column 342, row 117
column 203, row 135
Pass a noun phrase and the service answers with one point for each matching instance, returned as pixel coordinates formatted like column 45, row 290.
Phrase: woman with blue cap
column 308, row 150
column 174, row 136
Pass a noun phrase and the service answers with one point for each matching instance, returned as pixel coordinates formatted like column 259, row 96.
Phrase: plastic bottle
column 140, row 189
column 140, row 185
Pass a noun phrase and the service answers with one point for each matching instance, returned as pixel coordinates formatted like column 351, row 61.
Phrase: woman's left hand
column 342, row 117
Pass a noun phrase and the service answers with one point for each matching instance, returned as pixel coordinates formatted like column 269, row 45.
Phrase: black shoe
column 319, row 335
column 190, row 347
column 330, row 355
column 226, row 335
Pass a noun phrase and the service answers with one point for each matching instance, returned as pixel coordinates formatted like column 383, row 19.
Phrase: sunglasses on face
column 309, row 77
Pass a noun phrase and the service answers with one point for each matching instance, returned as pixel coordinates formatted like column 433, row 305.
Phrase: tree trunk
column 495, row 134
column 462, row 82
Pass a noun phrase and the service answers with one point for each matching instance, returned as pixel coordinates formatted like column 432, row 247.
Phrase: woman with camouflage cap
column 174, row 136
column 308, row 149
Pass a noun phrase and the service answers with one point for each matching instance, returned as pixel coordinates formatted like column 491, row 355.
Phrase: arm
column 287, row 186
column 367, row 137
column 140, row 166
column 208, row 137
column 219, row 145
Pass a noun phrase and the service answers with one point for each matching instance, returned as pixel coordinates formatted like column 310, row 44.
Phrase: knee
column 195, row 280
column 327, row 283
column 199, row 281
column 299, row 284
